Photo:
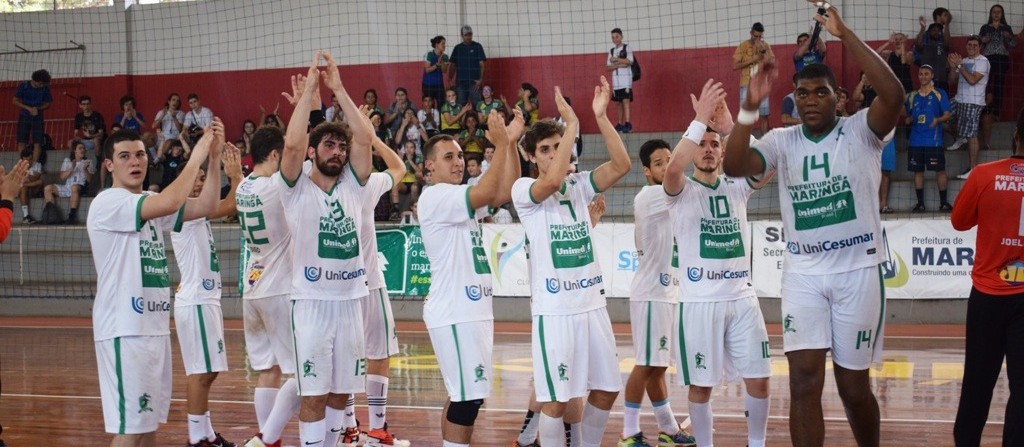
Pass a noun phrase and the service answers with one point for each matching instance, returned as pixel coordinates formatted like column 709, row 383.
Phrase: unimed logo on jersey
column 312, row 273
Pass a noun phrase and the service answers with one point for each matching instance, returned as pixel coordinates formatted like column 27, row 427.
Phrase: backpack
column 52, row 215
column 634, row 67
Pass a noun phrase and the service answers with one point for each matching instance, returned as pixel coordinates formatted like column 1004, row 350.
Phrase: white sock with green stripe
column 552, row 430
column 263, row 400
column 666, row 419
column 312, row 433
column 196, row 428
column 594, row 422
column 757, row 419
column 631, row 419
column 703, row 422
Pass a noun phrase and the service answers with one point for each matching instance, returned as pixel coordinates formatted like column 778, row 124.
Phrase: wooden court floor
column 50, row 390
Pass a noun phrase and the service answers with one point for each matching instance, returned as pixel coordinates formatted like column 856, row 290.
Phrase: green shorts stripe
column 648, row 345
column 458, row 355
column 544, row 357
column 295, row 351
column 120, row 383
column 881, row 313
column 202, row 335
column 384, row 313
column 683, row 361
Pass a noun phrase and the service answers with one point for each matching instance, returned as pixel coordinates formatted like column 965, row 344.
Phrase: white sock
column 552, row 431
column 452, row 444
column 24, row 211
column 703, row 423
column 263, row 398
column 196, row 428
column 528, row 434
column 575, row 435
column 285, row 406
column 349, row 418
column 332, row 421
column 757, row 419
column 666, row 419
column 210, row 434
column 631, row 419
column 594, row 422
column 312, row 433
column 377, row 399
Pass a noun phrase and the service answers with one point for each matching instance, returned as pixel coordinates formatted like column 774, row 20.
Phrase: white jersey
column 197, row 261
column 326, row 261
column 828, row 189
column 268, row 264
column 378, row 184
column 133, row 286
column 710, row 225
column 79, row 175
column 565, row 276
column 655, row 278
column 460, row 276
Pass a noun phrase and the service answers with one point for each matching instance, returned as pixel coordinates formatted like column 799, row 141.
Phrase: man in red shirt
column 10, row 184
column 993, row 199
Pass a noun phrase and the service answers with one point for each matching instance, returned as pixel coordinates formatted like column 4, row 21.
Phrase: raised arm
column 740, row 160
column 396, row 167
column 551, row 181
column 610, row 172
column 296, row 137
column 233, row 169
column 486, row 192
column 506, row 167
column 173, row 197
column 361, row 154
column 206, row 203
column 711, row 96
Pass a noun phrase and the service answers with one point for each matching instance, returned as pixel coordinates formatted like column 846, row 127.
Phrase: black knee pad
column 464, row 413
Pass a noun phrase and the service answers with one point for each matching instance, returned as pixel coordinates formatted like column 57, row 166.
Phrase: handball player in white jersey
column 722, row 331
column 198, row 318
column 573, row 344
column 131, row 315
column 828, row 173
column 328, row 273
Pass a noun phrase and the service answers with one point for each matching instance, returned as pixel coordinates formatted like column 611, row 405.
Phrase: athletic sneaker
column 353, row 437
column 627, row 128
column 919, row 208
column 203, row 443
column 957, row 144
column 380, row 437
column 515, row 443
column 681, row 438
column 965, row 174
column 946, row 207
column 618, row 127
column 219, row 441
column 257, row 441
column 636, row 440
column 29, row 220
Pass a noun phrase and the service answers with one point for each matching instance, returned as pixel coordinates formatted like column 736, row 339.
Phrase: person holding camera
column 750, row 55
column 197, row 119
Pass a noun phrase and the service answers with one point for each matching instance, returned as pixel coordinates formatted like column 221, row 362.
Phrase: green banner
column 404, row 261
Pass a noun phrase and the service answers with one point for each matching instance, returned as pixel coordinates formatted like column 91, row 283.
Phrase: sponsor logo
column 787, row 324
column 475, row 292
column 312, row 274
column 144, row 400
column 1013, row 273
column 307, row 369
column 663, row 343
column 563, row 372
column 208, row 284
column 665, row 279
column 793, row 247
column 629, row 261
column 138, row 304
column 552, row 285
column 894, row 270
column 255, row 273
column 479, row 371
column 162, row 306
column 699, row 359
column 694, row 273
column 502, row 252
column 1017, row 168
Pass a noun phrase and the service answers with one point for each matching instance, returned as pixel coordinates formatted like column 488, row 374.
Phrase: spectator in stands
column 129, row 118
column 248, row 129
column 932, row 44
column 996, row 38
column 899, row 57
column 748, row 59
column 169, row 121
column 972, row 75
column 927, row 108
column 370, row 100
column 32, row 97
column 76, row 172
column 452, row 112
column 863, row 93
column 435, row 66
column 805, row 55
column 410, row 216
column 245, row 156
column 10, row 183
column 396, row 111
column 468, row 58
column 169, row 162
column 199, row 118
column 472, row 137
column 272, row 119
column 89, row 126
column 379, row 129
column 530, row 105
column 333, row 113
column 32, row 182
column 489, row 102
column 472, row 170
column 790, row 114
column 411, row 130
column 429, row 116
column 410, row 184
column 842, row 98
column 485, row 164
column 620, row 61
column 995, row 307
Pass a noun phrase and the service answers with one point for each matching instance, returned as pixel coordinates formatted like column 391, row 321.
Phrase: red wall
column 661, row 98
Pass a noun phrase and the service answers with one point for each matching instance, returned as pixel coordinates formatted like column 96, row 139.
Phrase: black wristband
column 7, row 204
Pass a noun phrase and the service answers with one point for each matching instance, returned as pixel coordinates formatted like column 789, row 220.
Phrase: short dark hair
column 370, row 90
column 530, row 88
column 938, row 12
column 84, row 98
column 538, row 131
column 117, row 137
column 265, row 140
column 757, row 27
column 381, row 115
column 934, row 26
column 26, row 153
column 41, row 76
column 428, row 149
column 975, row 38
column 403, row 90
column 817, row 71
column 126, row 99
column 436, row 40
column 617, row 31
column 802, row 35
column 340, row 130
column 192, row 96
column 75, row 143
column 648, row 148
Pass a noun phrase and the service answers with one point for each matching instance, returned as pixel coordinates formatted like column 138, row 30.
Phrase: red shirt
column 991, row 198
column 6, row 216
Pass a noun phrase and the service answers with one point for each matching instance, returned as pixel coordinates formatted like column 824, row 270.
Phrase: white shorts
column 379, row 323
column 655, row 334
column 722, row 341
column 463, row 352
column 268, row 333
column 844, row 312
column 573, row 354
column 201, row 338
column 135, row 383
column 63, row 191
column 329, row 341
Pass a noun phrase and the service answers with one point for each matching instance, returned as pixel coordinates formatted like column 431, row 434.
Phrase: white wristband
column 746, row 117
column 695, row 132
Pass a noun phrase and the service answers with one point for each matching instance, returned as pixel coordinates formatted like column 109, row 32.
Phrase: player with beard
column 829, row 171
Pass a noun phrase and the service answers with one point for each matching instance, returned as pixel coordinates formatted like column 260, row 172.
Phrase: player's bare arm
column 485, row 192
column 740, row 160
column 206, row 203
column 610, row 172
column 711, row 96
column 296, row 137
column 233, row 169
column 173, row 197
column 551, row 181
column 396, row 167
column 511, row 171
column 360, row 155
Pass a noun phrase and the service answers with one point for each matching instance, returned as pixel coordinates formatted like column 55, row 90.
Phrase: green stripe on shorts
column 648, row 334
column 544, row 356
column 683, row 362
column 384, row 313
column 295, row 351
column 120, row 383
column 881, row 313
column 202, row 335
column 458, row 355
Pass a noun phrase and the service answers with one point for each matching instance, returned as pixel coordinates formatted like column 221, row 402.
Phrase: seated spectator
column 169, row 121
column 411, row 216
column 485, row 164
column 396, row 111
column 790, row 114
column 89, row 126
column 370, row 100
column 864, row 93
column 528, row 103
column 129, row 118
column 33, row 97
column 473, row 169
column 197, row 118
column 410, row 184
column 33, row 181
column 452, row 113
column 842, row 98
column 489, row 102
column 429, row 116
column 411, row 130
column 169, row 162
column 272, row 119
column 472, row 138
column 382, row 131
column 333, row 113
column 805, row 55
column 76, row 172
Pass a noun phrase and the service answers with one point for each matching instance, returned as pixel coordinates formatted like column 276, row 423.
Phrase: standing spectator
column 32, row 182
column 842, row 98
column 864, row 93
column 971, row 74
column 620, row 61
column 489, row 102
column 32, row 97
column 89, row 126
column 805, row 55
column 169, row 121
column 896, row 54
column 529, row 104
column 273, row 119
column 76, row 172
column 468, row 58
column 435, row 65
column 750, row 55
column 452, row 113
column 396, row 111
column 129, row 118
column 10, row 183
column 199, row 118
column 927, row 108
column 933, row 44
column 997, row 38
column 411, row 181
column 429, row 116
column 995, row 308
column 370, row 98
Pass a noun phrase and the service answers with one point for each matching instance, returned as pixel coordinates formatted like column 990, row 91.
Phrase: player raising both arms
column 829, row 170
column 573, row 344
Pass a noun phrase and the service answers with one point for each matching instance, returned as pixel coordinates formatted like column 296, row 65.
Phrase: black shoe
column 919, row 208
column 219, row 441
column 946, row 207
